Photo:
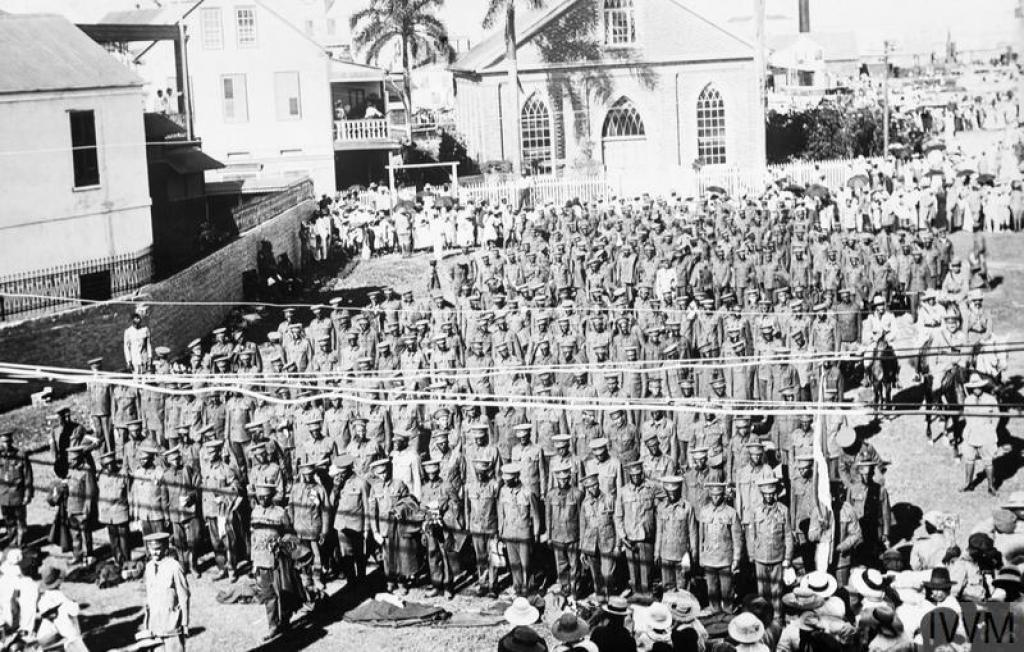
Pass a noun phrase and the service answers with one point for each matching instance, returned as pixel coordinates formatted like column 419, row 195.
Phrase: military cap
column 715, row 487
column 561, row 439
column 634, row 467
column 699, row 452
column 482, row 463
column 431, row 464
column 380, row 464
column 172, row 452
column 157, row 537
column 95, row 361
column 522, row 428
column 213, row 444
column 591, row 479
column 672, row 481
column 220, row 331
column 768, row 485
column 265, row 489
column 598, row 443
column 511, row 469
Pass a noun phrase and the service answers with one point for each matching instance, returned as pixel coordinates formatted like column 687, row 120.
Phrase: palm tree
column 410, row 23
column 494, row 10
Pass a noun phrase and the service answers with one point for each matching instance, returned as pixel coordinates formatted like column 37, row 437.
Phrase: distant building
column 813, row 59
column 667, row 89
column 259, row 86
column 73, row 163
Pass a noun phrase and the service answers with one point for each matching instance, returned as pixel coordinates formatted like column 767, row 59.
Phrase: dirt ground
column 921, row 477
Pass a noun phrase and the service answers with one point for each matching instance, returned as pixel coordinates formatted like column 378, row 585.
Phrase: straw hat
column 746, row 628
column 521, row 612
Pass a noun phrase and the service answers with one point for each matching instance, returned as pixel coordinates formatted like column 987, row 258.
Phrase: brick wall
column 70, row 338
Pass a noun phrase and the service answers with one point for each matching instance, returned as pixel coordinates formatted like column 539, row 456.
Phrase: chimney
column 805, row 16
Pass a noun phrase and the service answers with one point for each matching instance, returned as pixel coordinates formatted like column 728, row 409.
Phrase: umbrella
column 897, row 147
column 795, row 188
column 356, row 188
column 406, row 204
column 858, row 181
column 934, row 173
column 817, row 190
column 446, row 202
column 966, row 172
column 986, row 179
column 715, row 190
column 934, row 145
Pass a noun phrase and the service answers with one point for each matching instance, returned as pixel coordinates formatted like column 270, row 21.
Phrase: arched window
column 623, row 121
column 536, row 132
column 710, row 126
column 619, row 22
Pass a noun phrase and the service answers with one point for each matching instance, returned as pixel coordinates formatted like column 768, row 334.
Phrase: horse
column 882, row 369
column 948, row 395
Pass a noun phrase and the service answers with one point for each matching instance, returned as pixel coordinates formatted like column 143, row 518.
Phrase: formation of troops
column 623, row 395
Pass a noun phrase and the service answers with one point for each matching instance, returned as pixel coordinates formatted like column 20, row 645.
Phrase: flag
column 823, row 490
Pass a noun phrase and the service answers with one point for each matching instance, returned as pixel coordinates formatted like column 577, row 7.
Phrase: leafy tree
column 412, row 24
column 453, row 149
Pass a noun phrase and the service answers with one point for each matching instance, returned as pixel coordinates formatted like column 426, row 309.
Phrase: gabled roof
column 491, row 50
column 48, row 53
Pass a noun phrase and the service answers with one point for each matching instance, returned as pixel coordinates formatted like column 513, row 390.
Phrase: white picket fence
column 736, row 181
column 537, row 190
column 740, row 181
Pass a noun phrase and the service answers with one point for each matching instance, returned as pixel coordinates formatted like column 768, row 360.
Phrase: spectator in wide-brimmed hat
column 611, row 635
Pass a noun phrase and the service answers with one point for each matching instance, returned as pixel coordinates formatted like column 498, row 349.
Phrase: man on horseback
column 941, row 368
column 879, row 359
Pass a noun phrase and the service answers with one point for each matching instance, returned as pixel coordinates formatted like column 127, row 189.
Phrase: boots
column 990, row 480
column 968, row 476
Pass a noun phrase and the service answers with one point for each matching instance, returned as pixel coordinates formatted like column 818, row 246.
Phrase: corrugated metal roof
column 48, row 53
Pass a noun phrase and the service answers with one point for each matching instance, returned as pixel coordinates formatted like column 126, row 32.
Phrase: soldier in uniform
column 803, row 504
column 598, row 542
column 166, row 614
column 442, row 517
column 179, row 495
column 389, row 506
column 270, row 523
column 310, row 515
column 222, row 496
column 870, row 501
column 81, row 503
column 530, row 459
column 563, row 527
column 635, row 524
column 772, row 543
column 99, row 393
column 17, row 488
column 721, row 545
column 66, row 433
column 482, row 520
column 112, row 489
column 146, row 504
column 350, row 498
column 519, row 525
column 676, row 547
column 608, row 469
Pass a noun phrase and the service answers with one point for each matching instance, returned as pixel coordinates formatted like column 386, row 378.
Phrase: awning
column 349, row 71
column 189, row 160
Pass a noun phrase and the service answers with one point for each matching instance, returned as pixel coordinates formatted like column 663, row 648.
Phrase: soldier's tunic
column 482, row 521
column 772, row 546
column 179, row 493
column 598, row 541
column 351, row 497
column 146, row 499
column 519, row 523
column 222, row 493
column 308, row 506
column 721, row 544
column 676, row 537
column 112, row 489
column 563, row 525
column 609, row 474
column 269, row 525
column 635, row 523
column 17, row 488
column 870, row 502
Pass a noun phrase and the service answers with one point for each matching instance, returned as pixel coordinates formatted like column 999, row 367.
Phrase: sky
column 914, row 25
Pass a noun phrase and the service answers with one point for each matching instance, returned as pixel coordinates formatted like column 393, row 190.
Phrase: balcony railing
column 355, row 130
column 55, row 289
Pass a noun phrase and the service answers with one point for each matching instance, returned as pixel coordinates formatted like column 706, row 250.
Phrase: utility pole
column 511, row 60
column 1019, row 50
column 885, row 100
column 760, row 58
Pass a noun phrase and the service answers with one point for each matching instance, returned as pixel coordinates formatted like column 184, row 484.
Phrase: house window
column 536, row 133
column 286, row 93
column 236, row 99
column 623, row 121
column 212, row 28
column 710, row 127
column 331, row 27
column 84, row 152
column 245, row 26
column 619, row 22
